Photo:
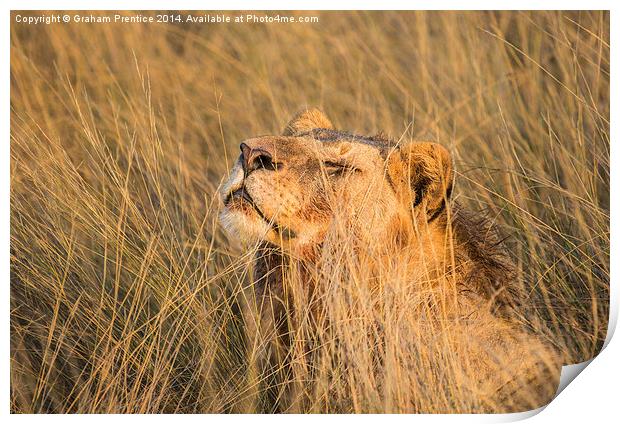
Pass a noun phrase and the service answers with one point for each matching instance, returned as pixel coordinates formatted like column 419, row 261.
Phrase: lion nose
column 253, row 158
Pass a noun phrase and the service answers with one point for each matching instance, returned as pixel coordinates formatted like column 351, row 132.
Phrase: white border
column 5, row 210
column 311, row 5
column 588, row 400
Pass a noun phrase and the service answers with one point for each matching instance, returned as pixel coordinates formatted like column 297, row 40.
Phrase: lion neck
column 419, row 251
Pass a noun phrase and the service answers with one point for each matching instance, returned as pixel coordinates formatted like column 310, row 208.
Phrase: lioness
column 303, row 195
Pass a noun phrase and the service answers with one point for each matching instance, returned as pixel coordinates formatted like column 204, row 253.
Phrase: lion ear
column 422, row 174
column 307, row 120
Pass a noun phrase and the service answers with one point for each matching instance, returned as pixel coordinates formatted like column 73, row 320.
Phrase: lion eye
column 337, row 169
column 265, row 162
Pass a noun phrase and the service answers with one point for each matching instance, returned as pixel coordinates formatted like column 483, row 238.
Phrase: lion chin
column 245, row 225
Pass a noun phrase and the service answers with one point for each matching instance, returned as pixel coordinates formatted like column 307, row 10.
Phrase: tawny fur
column 293, row 194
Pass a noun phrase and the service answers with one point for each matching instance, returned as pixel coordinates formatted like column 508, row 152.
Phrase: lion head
column 296, row 189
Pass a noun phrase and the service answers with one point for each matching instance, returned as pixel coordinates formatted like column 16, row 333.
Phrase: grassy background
column 122, row 283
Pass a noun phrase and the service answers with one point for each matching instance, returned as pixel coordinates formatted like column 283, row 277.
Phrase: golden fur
column 313, row 188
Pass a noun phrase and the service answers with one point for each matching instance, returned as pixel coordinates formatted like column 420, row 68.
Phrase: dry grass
column 124, row 289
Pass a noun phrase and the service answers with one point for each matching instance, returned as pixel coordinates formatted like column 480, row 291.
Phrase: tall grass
column 126, row 295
